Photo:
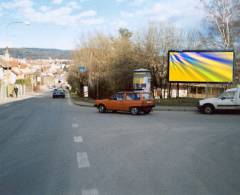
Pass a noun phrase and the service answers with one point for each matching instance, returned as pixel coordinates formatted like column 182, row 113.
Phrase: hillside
column 37, row 53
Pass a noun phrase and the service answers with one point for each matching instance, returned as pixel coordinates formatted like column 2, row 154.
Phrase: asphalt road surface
column 52, row 147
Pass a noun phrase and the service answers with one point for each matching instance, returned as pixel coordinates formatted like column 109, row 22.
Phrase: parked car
column 228, row 100
column 134, row 102
column 58, row 93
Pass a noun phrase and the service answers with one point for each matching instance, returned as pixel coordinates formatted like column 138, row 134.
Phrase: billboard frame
column 216, row 50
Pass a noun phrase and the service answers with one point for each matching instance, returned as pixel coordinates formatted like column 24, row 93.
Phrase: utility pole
column 98, row 81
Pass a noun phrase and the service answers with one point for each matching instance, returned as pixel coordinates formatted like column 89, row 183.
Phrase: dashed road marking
column 90, row 192
column 78, row 139
column 82, row 160
column 75, row 125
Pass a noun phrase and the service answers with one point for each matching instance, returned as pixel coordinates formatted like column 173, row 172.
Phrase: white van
column 228, row 100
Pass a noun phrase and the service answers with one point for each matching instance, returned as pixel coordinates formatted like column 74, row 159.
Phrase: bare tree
column 110, row 61
column 223, row 22
column 192, row 40
column 154, row 46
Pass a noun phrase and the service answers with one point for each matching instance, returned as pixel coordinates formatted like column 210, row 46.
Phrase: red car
column 134, row 102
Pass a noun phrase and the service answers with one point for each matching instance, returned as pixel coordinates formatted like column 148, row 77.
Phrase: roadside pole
column 206, row 90
column 98, row 76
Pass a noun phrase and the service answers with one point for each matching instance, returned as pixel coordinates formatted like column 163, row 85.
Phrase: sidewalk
column 81, row 103
column 156, row 108
column 14, row 99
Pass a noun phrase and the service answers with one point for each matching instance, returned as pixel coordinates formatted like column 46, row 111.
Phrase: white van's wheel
column 208, row 109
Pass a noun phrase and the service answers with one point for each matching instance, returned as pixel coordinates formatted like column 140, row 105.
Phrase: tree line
column 110, row 61
column 37, row 53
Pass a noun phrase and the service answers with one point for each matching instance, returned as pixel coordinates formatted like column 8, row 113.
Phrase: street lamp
column 13, row 23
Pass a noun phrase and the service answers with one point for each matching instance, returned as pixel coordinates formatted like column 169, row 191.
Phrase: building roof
column 16, row 63
column 4, row 63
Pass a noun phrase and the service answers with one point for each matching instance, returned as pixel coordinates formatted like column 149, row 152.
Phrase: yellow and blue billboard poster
column 201, row 66
column 142, row 80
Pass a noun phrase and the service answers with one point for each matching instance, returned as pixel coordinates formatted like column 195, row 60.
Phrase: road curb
column 178, row 109
column 21, row 98
column 81, row 104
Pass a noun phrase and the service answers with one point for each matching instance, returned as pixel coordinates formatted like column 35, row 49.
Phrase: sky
column 62, row 23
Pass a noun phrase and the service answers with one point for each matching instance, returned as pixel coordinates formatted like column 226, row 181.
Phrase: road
column 52, row 147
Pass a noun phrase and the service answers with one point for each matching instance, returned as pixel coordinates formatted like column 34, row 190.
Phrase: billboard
column 200, row 66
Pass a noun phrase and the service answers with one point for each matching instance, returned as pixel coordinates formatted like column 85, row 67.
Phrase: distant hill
column 37, row 53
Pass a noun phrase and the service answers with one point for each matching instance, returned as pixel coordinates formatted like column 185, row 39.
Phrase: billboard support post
column 177, row 95
column 207, row 90
column 235, row 70
column 169, row 89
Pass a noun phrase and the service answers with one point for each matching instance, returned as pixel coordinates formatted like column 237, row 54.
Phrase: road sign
column 82, row 69
column 85, row 91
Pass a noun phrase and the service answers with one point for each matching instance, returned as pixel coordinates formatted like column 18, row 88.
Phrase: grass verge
column 178, row 102
column 75, row 97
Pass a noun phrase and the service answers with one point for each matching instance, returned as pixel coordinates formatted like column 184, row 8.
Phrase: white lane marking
column 82, row 160
column 74, row 125
column 90, row 192
column 78, row 139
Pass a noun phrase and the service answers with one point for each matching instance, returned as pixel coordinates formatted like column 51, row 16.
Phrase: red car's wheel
column 134, row 111
column 101, row 108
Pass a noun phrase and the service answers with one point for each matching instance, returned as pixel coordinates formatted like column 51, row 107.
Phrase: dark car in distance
column 58, row 93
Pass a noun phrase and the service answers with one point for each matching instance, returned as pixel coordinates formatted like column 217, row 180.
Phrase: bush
column 26, row 81
column 178, row 102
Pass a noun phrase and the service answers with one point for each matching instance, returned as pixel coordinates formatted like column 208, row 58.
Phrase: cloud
column 176, row 11
column 74, row 5
column 132, row 2
column 57, row 1
column 68, row 14
column 44, row 8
